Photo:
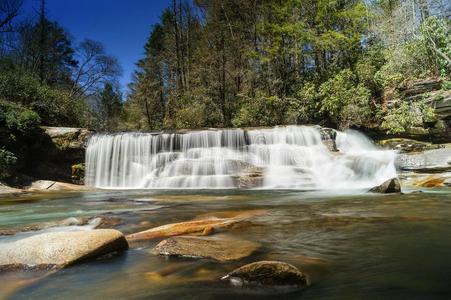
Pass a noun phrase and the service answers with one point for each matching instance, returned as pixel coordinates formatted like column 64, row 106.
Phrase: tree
column 95, row 69
column 9, row 10
column 110, row 106
column 46, row 51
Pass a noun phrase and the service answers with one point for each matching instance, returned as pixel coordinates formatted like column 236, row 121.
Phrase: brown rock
column 431, row 181
column 221, row 248
column 388, row 186
column 267, row 273
column 199, row 227
column 59, row 249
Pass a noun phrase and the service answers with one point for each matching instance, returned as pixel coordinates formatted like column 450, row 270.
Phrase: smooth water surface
column 358, row 246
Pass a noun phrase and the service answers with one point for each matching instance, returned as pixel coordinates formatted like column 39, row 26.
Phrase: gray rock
column 60, row 249
column 219, row 247
column 388, row 186
column 268, row 274
column 432, row 161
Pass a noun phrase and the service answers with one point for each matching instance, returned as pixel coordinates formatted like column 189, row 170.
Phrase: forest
column 212, row 63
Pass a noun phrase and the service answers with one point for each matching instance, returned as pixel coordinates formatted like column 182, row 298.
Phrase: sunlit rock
column 221, row 248
column 49, row 185
column 59, row 249
column 205, row 226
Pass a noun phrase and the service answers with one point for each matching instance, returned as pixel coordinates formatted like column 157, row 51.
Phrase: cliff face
column 56, row 153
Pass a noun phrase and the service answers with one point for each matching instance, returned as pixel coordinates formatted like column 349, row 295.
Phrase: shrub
column 345, row 101
column 405, row 116
column 7, row 163
column 261, row 110
column 17, row 119
column 54, row 106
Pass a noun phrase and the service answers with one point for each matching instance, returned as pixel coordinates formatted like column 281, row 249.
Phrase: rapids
column 288, row 157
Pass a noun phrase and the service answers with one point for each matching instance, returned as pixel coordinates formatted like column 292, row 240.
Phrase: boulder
column 221, row 248
column 388, row 186
column 203, row 226
column 60, row 249
column 50, row 185
column 328, row 137
column 268, row 274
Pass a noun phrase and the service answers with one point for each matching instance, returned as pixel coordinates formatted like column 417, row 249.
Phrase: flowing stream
column 291, row 157
column 317, row 216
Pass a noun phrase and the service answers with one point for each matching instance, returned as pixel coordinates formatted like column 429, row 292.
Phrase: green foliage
column 345, row 101
column 17, row 119
column 437, row 37
column 7, row 163
column 54, row 106
column 262, row 110
column 405, row 116
column 407, row 61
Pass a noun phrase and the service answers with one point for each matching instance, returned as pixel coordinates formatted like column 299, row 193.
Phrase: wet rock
column 268, row 274
column 408, row 145
column 248, row 181
column 49, row 185
column 203, row 226
column 431, row 181
column 72, row 221
column 221, row 248
column 388, row 186
column 78, row 173
column 328, row 136
column 59, row 249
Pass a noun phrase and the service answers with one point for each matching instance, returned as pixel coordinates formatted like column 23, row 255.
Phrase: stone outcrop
column 220, row 248
column 60, row 249
column 431, row 161
column 389, row 186
column 268, row 274
column 51, row 154
column 404, row 145
column 199, row 227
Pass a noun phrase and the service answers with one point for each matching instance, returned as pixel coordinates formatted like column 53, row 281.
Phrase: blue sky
column 121, row 25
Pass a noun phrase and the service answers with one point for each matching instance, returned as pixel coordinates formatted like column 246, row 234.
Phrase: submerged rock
column 268, row 274
column 221, row 248
column 388, row 186
column 59, row 249
column 431, row 181
column 200, row 227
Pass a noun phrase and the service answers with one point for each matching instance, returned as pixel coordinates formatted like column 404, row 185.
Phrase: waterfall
column 288, row 157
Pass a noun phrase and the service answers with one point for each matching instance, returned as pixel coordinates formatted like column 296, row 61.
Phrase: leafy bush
column 7, row 163
column 17, row 119
column 345, row 101
column 54, row 106
column 262, row 110
column 405, row 116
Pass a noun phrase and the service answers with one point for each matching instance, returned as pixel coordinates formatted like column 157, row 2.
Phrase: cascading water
column 289, row 157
